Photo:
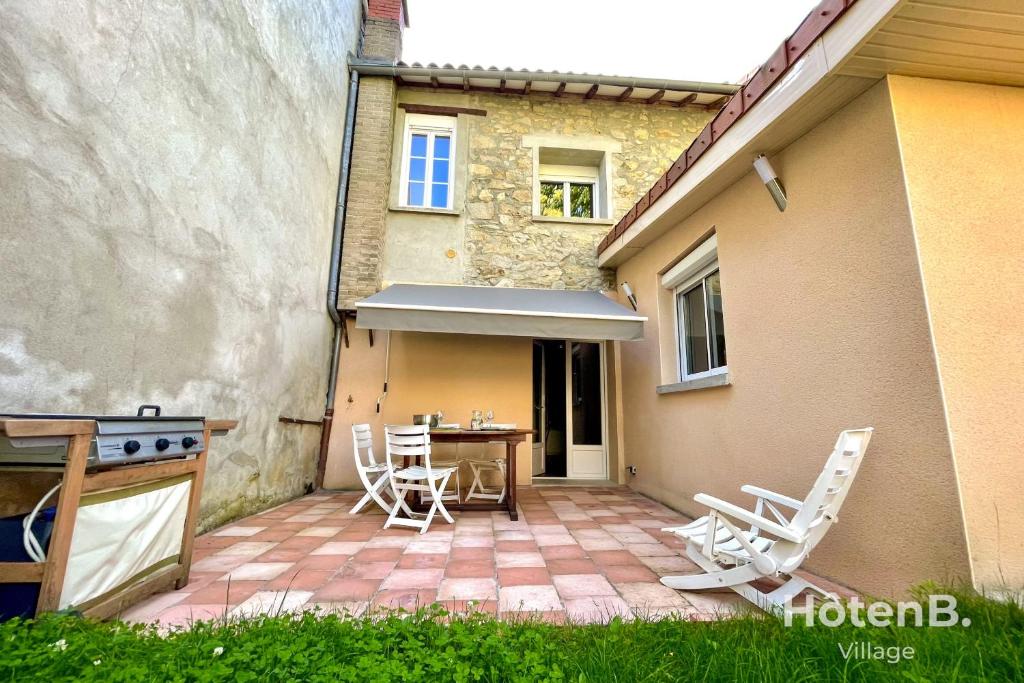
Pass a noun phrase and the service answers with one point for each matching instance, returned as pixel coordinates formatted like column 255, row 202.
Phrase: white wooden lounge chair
column 373, row 474
column 413, row 441
column 734, row 558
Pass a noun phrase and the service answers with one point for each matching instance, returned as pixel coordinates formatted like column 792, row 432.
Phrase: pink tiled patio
column 577, row 553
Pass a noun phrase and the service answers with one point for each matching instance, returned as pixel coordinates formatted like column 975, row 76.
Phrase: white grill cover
column 505, row 311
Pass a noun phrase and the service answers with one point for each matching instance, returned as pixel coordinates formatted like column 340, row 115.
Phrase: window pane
column 581, row 200
column 418, row 170
column 440, row 171
column 586, row 394
column 551, row 199
column 416, row 194
column 442, row 147
column 418, row 148
column 439, row 195
column 713, row 285
column 696, row 337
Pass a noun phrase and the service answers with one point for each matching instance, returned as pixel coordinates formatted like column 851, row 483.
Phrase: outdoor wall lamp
column 628, row 291
column 771, row 181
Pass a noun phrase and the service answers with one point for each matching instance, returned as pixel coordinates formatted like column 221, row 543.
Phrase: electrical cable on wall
column 387, row 371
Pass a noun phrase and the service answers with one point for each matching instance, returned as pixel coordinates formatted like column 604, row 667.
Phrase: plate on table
column 499, row 426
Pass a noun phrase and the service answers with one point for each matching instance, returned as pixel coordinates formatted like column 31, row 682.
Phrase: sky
column 705, row 40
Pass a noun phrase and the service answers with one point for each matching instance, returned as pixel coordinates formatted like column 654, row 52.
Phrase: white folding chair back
column 775, row 545
column 413, row 441
column 372, row 474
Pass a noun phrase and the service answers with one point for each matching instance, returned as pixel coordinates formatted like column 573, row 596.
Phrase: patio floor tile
column 467, row 589
column 541, row 598
column 519, row 559
column 584, row 554
column 413, row 578
column 582, row 585
column 256, row 571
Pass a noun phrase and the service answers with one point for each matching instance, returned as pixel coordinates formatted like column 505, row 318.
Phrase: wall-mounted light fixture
column 771, row 180
column 628, row 291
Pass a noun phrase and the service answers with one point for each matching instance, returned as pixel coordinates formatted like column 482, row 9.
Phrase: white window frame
column 431, row 126
column 566, row 200
column 698, row 280
column 692, row 270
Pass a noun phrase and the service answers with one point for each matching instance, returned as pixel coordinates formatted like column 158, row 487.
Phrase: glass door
column 586, row 410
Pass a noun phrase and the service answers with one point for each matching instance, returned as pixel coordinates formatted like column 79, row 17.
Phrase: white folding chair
column 373, row 474
column 414, row 442
column 735, row 558
column 477, row 488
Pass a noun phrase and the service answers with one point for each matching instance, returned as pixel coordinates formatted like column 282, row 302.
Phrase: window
column 701, row 329
column 571, row 183
column 695, row 283
column 427, row 161
column 567, row 198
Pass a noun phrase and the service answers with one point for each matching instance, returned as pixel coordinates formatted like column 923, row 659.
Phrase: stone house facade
column 492, row 234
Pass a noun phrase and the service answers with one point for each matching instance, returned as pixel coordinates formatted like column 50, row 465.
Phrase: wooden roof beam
column 655, row 97
column 501, row 86
column 689, row 99
column 434, row 82
column 591, row 92
column 465, row 83
column 717, row 104
column 560, row 89
column 526, row 88
column 624, row 95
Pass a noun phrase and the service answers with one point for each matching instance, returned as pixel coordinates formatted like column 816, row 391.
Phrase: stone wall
column 503, row 244
column 169, row 173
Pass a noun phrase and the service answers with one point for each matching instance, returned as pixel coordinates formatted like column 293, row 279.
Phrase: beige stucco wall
column 429, row 372
column 490, row 237
column 962, row 152
column 168, row 175
column 826, row 328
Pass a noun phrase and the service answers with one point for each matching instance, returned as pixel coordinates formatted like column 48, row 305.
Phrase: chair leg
column 362, row 501
column 438, row 503
column 375, row 492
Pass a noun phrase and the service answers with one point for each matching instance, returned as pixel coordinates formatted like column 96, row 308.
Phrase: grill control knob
column 132, row 447
column 162, row 444
column 188, row 442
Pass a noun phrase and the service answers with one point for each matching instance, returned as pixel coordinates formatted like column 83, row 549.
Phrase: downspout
column 337, row 247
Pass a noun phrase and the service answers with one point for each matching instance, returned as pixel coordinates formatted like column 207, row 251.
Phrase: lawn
column 432, row 646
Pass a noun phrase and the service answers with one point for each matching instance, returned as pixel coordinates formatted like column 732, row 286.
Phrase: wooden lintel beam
column 655, row 97
column 560, row 89
column 591, row 92
column 624, row 95
column 689, row 99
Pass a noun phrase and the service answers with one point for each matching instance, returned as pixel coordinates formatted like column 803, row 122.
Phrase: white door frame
column 570, row 447
column 541, row 443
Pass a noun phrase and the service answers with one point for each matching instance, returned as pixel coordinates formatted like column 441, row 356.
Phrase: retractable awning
column 544, row 313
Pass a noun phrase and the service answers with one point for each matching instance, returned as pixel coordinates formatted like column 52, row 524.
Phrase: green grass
column 429, row 646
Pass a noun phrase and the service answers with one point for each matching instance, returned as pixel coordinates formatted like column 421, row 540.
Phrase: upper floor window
column 567, row 198
column 571, row 183
column 700, row 327
column 427, row 173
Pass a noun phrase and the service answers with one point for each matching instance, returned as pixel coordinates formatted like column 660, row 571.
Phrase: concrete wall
column 827, row 329
column 169, row 174
column 962, row 150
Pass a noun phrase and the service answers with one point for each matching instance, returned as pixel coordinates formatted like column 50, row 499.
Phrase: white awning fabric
column 505, row 311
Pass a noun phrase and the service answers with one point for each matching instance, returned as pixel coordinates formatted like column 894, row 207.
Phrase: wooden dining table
column 511, row 438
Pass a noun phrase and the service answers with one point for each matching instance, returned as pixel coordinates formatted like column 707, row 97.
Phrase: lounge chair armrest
column 742, row 515
column 772, row 496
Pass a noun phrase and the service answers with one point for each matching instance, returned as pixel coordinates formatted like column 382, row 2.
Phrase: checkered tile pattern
column 577, row 553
